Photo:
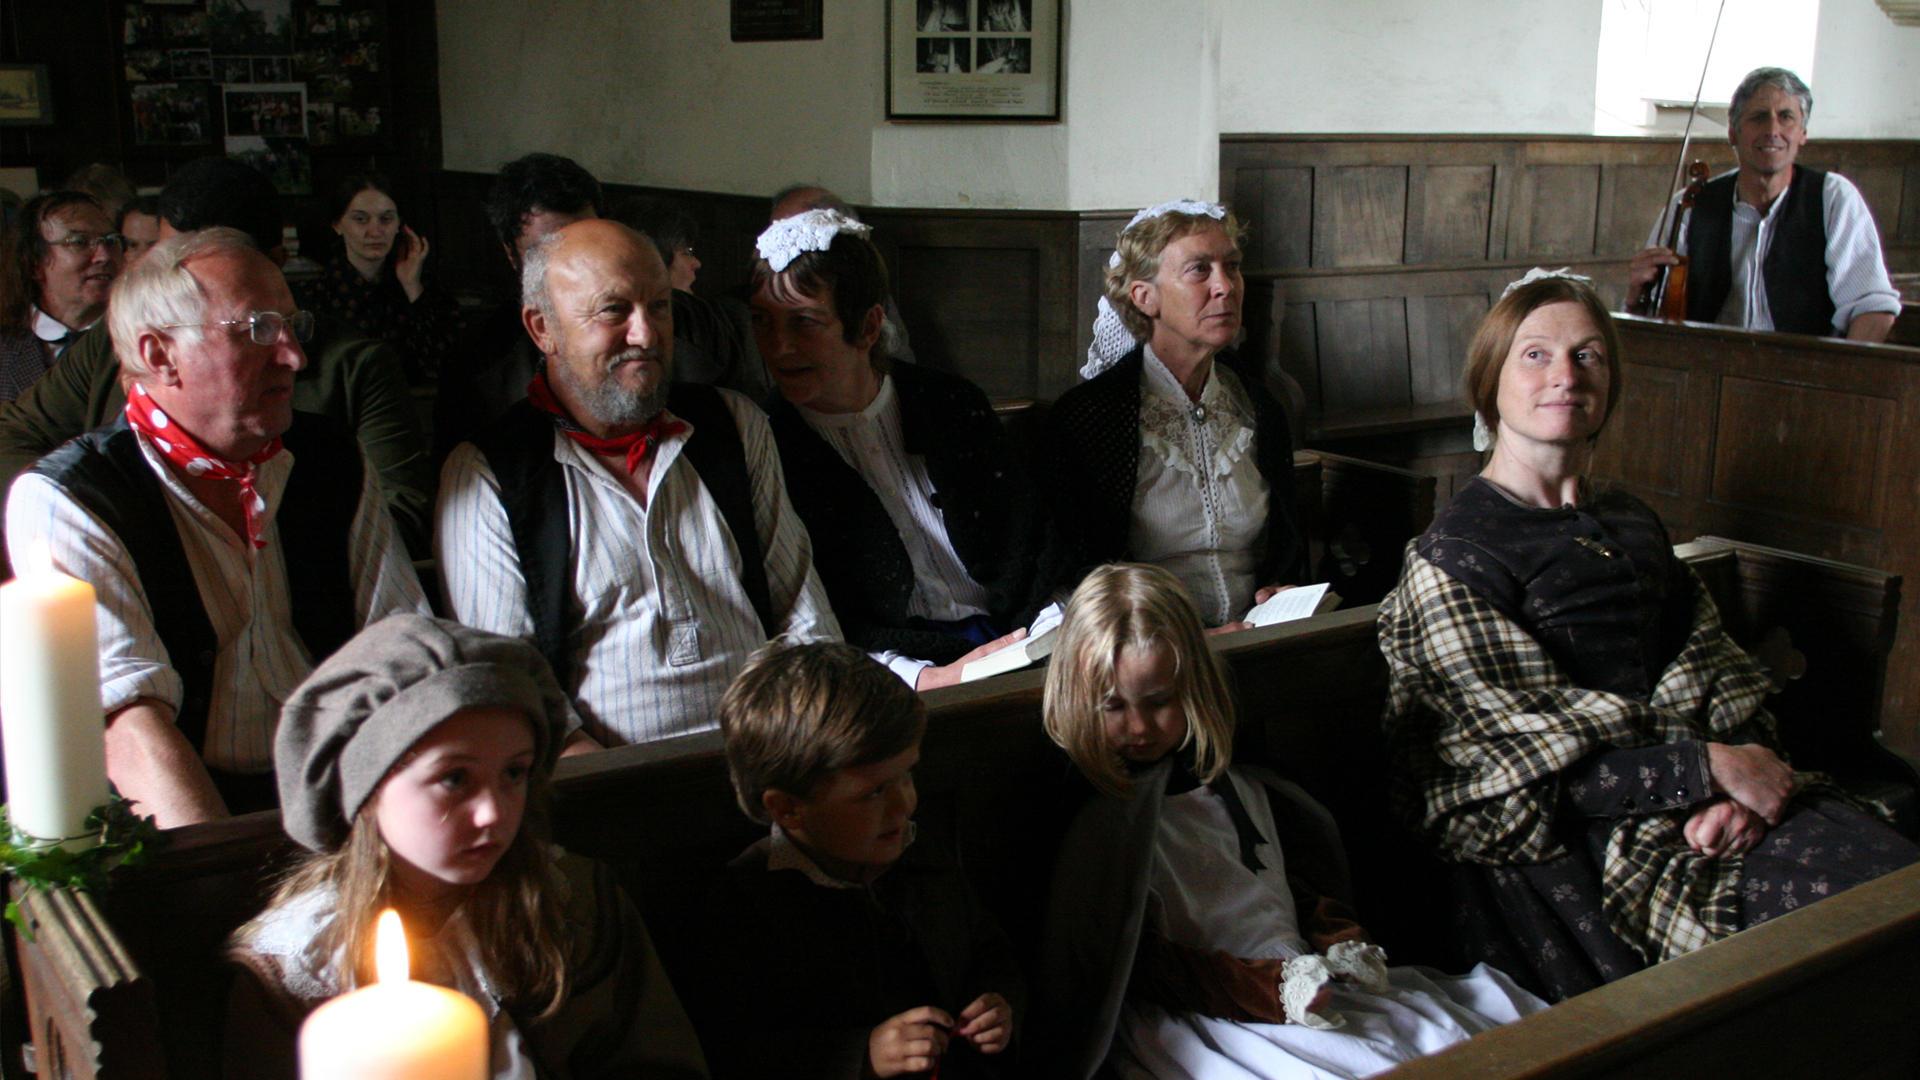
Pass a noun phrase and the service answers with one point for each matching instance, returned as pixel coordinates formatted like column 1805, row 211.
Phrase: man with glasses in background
column 189, row 513
column 354, row 380
column 61, row 257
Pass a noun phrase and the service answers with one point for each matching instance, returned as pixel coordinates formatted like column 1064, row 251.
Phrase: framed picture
column 25, row 96
column 995, row 60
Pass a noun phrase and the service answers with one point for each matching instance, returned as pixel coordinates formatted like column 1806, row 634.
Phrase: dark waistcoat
column 1795, row 267
column 981, row 488
column 533, row 490
column 105, row 472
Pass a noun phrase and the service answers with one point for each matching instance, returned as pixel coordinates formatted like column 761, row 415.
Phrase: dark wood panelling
column 1646, row 443
column 1277, row 206
column 1910, row 207
column 1803, row 443
column 1359, row 215
column 977, row 306
column 1556, row 209
column 1801, row 450
column 1880, row 186
column 1631, row 197
column 1438, row 330
column 1479, row 212
column 1448, row 209
column 1363, row 354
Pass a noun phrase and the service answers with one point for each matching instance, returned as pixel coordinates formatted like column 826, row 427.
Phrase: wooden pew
column 1803, row 443
column 129, row 984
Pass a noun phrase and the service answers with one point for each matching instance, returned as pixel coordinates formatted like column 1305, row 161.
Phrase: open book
column 1029, row 650
column 1297, row 603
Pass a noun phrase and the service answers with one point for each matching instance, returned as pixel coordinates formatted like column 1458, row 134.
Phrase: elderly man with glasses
column 190, row 514
column 61, row 256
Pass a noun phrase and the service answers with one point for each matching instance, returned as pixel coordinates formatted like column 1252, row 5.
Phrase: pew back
column 130, row 984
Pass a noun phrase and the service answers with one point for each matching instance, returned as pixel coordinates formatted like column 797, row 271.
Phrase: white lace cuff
column 1359, row 962
column 1305, row 975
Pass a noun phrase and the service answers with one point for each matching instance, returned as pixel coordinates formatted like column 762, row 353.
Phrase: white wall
column 663, row 101
column 657, row 94
column 1866, row 74
column 1409, row 66
column 672, row 102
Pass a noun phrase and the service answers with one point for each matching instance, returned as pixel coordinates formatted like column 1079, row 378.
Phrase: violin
column 1666, row 295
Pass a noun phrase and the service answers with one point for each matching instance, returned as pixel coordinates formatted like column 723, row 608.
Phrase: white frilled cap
column 1111, row 338
column 1540, row 273
column 814, row 230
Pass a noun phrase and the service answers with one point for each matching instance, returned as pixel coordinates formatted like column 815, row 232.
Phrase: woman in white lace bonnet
column 927, row 532
column 1172, row 452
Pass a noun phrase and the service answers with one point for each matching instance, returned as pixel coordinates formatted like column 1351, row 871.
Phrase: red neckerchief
column 179, row 446
column 638, row 445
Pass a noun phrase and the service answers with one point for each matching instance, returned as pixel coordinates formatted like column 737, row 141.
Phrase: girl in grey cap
column 413, row 765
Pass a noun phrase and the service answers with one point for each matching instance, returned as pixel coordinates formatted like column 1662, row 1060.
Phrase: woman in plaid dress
column 1571, row 725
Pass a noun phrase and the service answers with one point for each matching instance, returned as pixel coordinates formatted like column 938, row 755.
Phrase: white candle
column 50, row 716
column 396, row 1029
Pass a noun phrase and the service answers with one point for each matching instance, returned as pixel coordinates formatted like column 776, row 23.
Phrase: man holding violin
column 1772, row 245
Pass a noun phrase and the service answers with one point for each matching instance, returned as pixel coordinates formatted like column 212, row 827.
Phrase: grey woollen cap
column 361, row 710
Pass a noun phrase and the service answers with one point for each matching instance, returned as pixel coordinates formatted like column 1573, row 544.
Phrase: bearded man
column 637, row 530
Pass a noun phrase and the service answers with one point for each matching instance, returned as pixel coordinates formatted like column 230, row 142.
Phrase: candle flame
column 390, row 948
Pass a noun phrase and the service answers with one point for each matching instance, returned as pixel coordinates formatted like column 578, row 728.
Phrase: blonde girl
column 1196, row 919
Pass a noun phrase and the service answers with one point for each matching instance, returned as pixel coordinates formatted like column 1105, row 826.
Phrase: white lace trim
column 1167, row 427
column 1361, row 963
column 1540, row 273
column 785, row 240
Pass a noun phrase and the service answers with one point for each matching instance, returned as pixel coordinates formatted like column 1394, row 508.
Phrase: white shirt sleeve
column 799, row 600
column 45, row 524
column 1856, row 272
column 480, row 576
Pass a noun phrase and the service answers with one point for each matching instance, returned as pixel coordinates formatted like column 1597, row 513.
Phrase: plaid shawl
column 1482, row 722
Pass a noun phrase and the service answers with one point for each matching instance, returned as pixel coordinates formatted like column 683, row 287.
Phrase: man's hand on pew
column 909, row 1043
column 154, row 766
column 933, row 678
column 987, row 1023
column 1724, row 827
column 1752, row 776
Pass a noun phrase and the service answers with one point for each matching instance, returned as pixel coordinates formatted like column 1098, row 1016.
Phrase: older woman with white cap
column 1173, row 452
column 413, row 765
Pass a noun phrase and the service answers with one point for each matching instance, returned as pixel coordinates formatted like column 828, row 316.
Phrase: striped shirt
column 664, row 623
column 870, row 442
column 260, row 657
column 1857, row 279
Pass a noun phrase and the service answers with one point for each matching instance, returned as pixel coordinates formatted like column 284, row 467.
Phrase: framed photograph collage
column 265, row 81
column 992, row 60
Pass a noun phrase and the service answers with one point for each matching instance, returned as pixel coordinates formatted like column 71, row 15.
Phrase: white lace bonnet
column 1111, row 338
column 1483, row 435
column 787, row 239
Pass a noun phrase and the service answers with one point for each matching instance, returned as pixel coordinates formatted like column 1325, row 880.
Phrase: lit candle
column 50, row 716
column 396, row 1029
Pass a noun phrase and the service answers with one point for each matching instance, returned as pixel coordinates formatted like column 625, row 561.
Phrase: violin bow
column 1686, row 137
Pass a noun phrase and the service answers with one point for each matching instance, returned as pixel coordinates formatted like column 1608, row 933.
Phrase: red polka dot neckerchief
column 178, row 446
